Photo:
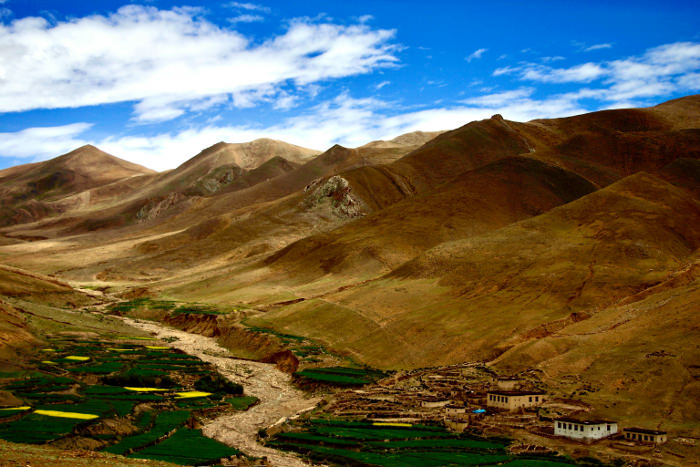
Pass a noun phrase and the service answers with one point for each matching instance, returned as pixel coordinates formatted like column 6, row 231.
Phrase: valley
column 561, row 254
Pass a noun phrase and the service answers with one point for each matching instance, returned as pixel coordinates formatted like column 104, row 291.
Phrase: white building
column 586, row 430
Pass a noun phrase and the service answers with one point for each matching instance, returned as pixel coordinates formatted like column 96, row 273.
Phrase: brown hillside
column 473, row 296
column 476, row 202
column 35, row 191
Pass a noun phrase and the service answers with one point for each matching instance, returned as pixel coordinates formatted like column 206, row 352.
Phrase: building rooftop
column 645, row 431
column 583, row 422
column 516, row 393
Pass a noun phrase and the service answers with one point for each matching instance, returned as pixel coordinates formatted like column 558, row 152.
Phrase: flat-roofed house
column 514, row 400
column 586, row 430
column 642, row 435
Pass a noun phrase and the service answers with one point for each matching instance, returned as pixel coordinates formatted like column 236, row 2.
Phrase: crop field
column 339, row 376
column 188, row 447
column 147, row 390
column 363, row 443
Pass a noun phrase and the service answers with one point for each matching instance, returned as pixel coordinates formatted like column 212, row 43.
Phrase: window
column 537, row 398
column 558, row 424
column 608, row 427
column 530, row 398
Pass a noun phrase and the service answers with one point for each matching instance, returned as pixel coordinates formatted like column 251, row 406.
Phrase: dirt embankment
column 279, row 399
column 239, row 340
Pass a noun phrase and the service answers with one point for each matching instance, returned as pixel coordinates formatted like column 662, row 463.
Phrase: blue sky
column 155, row 82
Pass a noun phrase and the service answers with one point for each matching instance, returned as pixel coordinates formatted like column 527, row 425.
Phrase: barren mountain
column 33, row 191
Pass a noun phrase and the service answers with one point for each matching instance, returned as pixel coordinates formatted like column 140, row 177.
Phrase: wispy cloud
column 555, row 58
column 658, row 72
column 248, row 6
column 75, row 63
column 597, row 47
column 246, row 19
column 41, row 143
column 476, row 54
column 583, row 73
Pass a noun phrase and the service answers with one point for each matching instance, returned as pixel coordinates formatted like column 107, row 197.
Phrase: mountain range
column 565, row 246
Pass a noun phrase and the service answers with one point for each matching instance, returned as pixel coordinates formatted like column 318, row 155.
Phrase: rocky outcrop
column 334, row 194
column 159, row 207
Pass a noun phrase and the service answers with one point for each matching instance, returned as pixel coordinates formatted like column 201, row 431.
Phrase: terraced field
column 123, row 396
column 400, row 445
column 339, row 376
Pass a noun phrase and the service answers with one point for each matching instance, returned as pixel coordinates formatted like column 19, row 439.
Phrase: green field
column 165, row 422
column 361, row 443
column 110, row 379
column 339, row 376
column 188, row 447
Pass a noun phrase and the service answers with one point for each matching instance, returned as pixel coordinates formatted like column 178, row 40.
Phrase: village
column 471, row 397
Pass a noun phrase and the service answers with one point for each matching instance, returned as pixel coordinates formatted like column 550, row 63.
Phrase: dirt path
column 279, row 400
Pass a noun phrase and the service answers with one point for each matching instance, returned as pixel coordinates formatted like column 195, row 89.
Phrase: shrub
column 136, row 377
column 217, row 384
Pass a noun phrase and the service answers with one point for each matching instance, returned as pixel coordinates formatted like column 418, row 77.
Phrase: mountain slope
column 474, row 297
column 34, row 191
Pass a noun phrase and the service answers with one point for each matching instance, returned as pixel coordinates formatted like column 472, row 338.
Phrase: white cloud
column 248, row 6
column 555, row 58
column 246, row 19
column 476, row 54
column 165, row 60
column 41, row 143
column 501, row 98
column 506, row 70
column 382, row 84
column 690, row 81
column 660, row 71
column 597, row 47
column 577, row 74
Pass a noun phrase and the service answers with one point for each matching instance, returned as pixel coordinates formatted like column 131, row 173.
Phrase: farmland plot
column 150, row 391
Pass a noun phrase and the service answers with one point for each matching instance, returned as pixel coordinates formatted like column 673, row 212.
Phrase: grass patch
column 187, row 447
column 340, row 376
column 165, row 422
column 241, row 402
column 198, row 310
column 37, row 429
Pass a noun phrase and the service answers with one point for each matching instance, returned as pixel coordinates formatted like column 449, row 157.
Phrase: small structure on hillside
column 514, row 400
column 507, row 383
column 585, row 430
column 433, row 402
column 455, row 410
column 642, row 435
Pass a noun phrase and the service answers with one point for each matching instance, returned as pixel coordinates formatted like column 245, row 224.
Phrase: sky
column 155, row 82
